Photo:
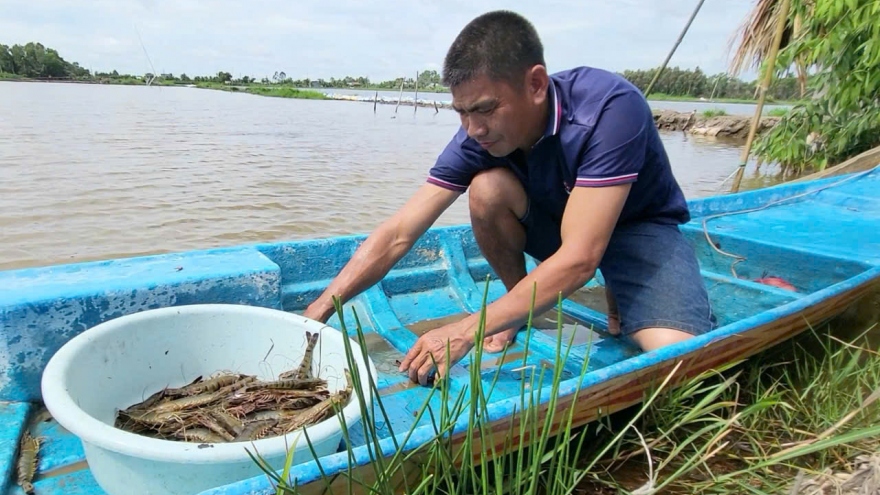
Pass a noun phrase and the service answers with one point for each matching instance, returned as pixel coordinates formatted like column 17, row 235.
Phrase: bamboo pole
column 399, row 96
column 375, row 101
column 416, row 98
column 674, row 47
column 769, row 68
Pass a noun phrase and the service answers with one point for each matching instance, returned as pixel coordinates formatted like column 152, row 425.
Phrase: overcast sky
column 380, row 39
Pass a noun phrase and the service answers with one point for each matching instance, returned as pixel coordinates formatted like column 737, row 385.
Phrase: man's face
column 500, row 117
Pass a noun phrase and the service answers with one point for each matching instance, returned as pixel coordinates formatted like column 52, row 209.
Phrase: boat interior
column 816, row 237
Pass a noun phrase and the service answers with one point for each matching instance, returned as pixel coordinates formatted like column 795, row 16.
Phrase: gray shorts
column 648, row 267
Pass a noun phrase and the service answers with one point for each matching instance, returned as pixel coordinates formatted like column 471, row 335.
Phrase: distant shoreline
column 266, row 90
column 712, row 123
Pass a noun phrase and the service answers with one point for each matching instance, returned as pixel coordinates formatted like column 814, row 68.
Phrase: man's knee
column 494, row 190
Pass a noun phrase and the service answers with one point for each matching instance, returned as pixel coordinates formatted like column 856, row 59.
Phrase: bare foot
column 496, row 343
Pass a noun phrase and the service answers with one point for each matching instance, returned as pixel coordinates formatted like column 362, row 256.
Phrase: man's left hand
column 418, row 363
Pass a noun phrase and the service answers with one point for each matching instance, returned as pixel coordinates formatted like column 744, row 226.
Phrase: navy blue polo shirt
column 600, row 132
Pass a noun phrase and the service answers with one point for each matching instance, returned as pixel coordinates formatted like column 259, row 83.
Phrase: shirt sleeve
column 458, row 163
column 616, row 150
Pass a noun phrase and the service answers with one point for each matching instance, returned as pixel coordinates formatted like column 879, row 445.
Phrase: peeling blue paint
column 59, row 447
column 13, row 417
column 443, row 275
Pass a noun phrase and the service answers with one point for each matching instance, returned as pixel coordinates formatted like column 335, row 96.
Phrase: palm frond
column 755, row 36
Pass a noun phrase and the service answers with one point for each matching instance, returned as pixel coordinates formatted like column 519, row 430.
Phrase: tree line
column 35, row 61
column 675, row 81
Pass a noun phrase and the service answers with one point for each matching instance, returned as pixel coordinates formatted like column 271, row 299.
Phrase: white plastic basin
column 125, row 360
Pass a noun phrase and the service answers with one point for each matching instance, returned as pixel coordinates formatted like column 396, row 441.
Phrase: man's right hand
column 318, row 311
column 383, row 248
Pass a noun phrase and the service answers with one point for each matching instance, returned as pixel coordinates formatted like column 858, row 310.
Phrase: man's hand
column 418, row 363
column 383, row 248
column 316, row 311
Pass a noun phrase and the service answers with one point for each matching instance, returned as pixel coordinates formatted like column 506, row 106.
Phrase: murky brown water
column 90, row 172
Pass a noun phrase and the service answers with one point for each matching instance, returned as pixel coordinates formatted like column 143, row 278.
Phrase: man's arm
column 383, row 248
column 584, row 240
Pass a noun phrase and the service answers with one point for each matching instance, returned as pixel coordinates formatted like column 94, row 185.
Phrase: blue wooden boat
column 822, row 237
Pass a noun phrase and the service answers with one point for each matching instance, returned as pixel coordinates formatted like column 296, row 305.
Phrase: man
column 568, row 168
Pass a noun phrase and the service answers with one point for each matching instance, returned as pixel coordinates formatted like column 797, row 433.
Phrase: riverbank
column 131, row 81
column 728, row 126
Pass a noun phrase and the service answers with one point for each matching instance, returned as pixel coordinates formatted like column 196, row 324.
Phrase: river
column 90, row 172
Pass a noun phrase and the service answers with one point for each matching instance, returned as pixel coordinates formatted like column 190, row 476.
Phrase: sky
column 379, row 39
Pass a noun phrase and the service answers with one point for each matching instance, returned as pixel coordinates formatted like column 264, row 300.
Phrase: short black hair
column 499, row 44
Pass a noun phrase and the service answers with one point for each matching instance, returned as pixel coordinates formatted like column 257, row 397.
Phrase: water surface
column 90, row 172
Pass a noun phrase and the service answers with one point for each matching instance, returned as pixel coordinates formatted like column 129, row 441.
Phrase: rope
column 740, row 259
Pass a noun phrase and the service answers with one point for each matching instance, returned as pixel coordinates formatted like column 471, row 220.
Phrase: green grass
column 714, row 112
column 778, row 112
column 802, row 406
column 276, row 91
column 749, row 427
column 287, row 92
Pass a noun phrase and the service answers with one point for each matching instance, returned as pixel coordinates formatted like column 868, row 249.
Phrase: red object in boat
column 776, row 282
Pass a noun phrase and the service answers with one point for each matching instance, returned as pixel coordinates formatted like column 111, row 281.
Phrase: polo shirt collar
column 554, row 112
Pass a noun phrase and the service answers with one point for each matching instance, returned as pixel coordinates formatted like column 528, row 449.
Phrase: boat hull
column 821, row 237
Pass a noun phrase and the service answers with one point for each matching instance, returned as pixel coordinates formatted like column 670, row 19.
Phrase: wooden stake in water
column 769, row 68
column 375, row 101
column 399, row 97
column 416, row 99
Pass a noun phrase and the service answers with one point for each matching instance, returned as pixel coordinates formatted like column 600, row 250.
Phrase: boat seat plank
column 758, row 288
column 412, row 307
column 735, row 299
